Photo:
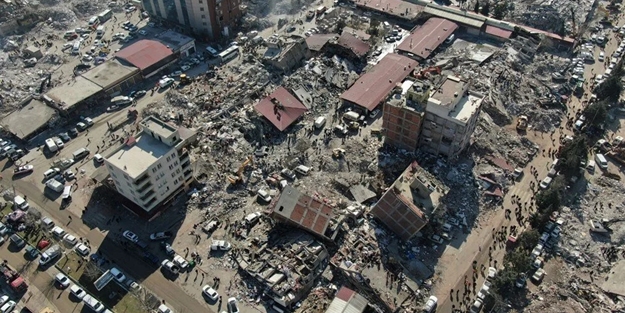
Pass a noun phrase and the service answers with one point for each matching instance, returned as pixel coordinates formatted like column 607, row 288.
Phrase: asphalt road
column 31, row 186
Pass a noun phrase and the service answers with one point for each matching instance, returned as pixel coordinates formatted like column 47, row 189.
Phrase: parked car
column 161, row 235
column 430, row 305
column 82, row 249
column 65, row 137
column 436, row 239
column 170, row 266
column 77, row 292
column 26, row 169
column 118, row 275
column 62, row 280
column 232, row 305
column 131, row 236
column 521, row 281
column 70, row 239
column 538, row 275
column 210, row 292
column 181, row 262
column 221, row 245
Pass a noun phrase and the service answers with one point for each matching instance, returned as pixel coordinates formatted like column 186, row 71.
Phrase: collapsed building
column 411, row 202
column 287, row 266
column 285, row 53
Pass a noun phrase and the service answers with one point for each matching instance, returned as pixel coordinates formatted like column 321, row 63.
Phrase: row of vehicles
column 10, row 150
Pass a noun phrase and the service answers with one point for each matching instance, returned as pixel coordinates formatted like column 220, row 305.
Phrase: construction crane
column 234, row 180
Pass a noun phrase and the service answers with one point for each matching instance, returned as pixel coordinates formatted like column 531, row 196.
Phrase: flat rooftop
column 448, row 91
column 28, row 119
column 73, row 92
column 107, row 74
column 158, row 127
column 466, row 107
column 397, row 8
column 140, row 156
column 174, row 40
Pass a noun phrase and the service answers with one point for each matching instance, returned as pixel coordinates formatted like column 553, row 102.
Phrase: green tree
column 476, row 8
column 518, row 260
column 549, row 198
column 374, row 27
column 528, row 239
column 504, row 281
column 596, row 113
column 572, row 153
column 500, row 10
column 610, row 89
column 485, row 9
column 340, row 25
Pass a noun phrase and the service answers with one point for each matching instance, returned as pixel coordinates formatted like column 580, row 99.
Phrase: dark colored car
column 73, row 132
column 65, row 137
column 17, row 241
column 151, row 258
column 140, row 94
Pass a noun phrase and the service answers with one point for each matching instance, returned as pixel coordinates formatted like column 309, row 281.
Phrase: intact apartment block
column 212, row 18
column 450, row 117
column 153, row 166
column 411, row 202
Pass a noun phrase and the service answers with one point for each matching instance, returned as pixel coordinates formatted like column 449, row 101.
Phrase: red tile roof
column 144, row 53
column 425, row 39
column 373, row 87
column 351, row 42
column 281, row 108
column 308, row 212
column 498, row 32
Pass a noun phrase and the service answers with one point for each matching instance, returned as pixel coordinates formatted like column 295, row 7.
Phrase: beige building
column 213, row 18
column 284, row 53
column 450, row 117
column 153, row 166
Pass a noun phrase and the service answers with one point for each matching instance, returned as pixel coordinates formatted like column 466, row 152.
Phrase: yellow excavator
column 234, row 180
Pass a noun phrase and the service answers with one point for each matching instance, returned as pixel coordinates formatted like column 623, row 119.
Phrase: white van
column 303, row 170
column 591, row 166
column 20, row 203
column 100, row 31
column 80, row 153
column 320, row 122
column 76, row 47
column 351, row 115
column 601, row 161
column 67, row 193
column 50, row 173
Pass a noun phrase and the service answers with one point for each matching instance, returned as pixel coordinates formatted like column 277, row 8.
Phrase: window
column 154, row 170
column 169, row 158
column 127, row 178
column 132, row 192
column 178, row 171
column 173, row 175
column 204, row 23
column 200, row 1
column 129, row 185
column 175, row 163
column 113, row 174
column 171, row 167
column 159, row 166
column 201, row 9
column 176, row 182
column 203, row 16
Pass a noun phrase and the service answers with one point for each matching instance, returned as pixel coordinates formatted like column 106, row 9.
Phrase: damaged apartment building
column 438, row 117
column 411, row 202
column 287, row 266
column 285, row 53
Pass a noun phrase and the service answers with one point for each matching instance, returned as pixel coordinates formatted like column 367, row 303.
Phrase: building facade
column 211, row 18
column 152, row 166
column 403, row 116
column 450, row 118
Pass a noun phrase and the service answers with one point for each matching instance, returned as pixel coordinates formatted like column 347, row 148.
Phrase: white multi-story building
column 152, row 166
column 450, row 117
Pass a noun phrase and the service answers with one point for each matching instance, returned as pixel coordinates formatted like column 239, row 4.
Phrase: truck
column 351, row 116
column 51, row 145
column 103, row 280
column 55, row 185
column 13, row 278
column 50, row 254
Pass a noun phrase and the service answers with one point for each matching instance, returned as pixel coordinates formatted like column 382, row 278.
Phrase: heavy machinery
column 425, row 73
column 521, row 123
column 184, row 79
column 338, row 153
column 353, row 125
column 234, row 180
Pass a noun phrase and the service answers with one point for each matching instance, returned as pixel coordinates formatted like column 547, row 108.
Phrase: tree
column 610, row 89
column 374, row 27
column 518, row 260
column 485, row 9
column 596, row 113
column 504, row 281
column 500, row 10
column 548, row 199
column 572, row 153
column 340, row 25
column 528, row 239
column 476, row 8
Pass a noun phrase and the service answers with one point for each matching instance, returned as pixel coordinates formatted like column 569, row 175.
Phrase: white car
column 221, row 245
column 164, row 309
column 62, row 280
column 131, row 236
column 232, row 305
column 8, row 307
column 58, row 232
column 545, row 182
column 93, row 303
column 77, row 292
column 430, row 305
column 492, row 272
column 180, row 261
column 185, row 68
column 69, row 238
column 119, row 276
column 4, row 299
column 82, row 249
column 210, row 292
column 59, row 143
column 98, row 158
column 601, row 57
column 87, row 58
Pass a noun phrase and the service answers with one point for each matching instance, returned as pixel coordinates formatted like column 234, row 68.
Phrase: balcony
column 150, row 204
column 144, row 189
column 188, row 174
column 139, row 182
column 147, row 195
